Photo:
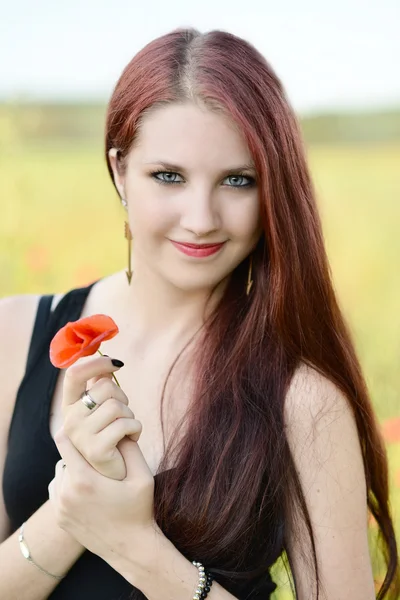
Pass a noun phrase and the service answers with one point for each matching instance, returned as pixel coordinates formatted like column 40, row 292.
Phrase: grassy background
column 61, row 225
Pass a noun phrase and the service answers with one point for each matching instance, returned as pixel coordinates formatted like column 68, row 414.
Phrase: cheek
column 148, row 216
column 244, row 219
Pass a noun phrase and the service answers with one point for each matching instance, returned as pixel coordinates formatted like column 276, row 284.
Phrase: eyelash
column 247, row 185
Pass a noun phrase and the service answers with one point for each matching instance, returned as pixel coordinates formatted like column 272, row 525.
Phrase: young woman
column 243, row 430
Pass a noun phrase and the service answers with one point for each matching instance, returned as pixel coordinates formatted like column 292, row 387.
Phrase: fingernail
column 117, row 363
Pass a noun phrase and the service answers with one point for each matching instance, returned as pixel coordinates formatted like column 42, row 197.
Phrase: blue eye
column 170, row 177
column 166, row 180
column 250, row 180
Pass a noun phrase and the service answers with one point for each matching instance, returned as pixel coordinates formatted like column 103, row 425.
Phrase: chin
column 195, row 286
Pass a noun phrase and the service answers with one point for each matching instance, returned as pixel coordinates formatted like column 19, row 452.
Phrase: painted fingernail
column 117, row 363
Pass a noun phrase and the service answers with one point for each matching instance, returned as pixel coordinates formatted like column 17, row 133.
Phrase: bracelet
column 26, row 554
column 205, row 582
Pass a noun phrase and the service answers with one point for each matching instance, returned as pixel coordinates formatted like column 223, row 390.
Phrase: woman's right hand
column 96, row 433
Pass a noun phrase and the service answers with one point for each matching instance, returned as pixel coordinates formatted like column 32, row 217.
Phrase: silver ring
column 88, row 401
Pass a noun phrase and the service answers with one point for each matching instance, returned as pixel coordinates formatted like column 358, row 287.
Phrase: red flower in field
column 38, row 258
column 80, row 338
column 391, row 430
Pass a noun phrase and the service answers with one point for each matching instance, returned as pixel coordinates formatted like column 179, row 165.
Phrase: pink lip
column 198, row 250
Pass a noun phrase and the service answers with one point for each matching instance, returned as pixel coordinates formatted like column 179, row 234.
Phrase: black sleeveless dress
column 32, row 456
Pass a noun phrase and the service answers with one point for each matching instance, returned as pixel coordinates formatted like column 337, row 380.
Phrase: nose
column 200, row 215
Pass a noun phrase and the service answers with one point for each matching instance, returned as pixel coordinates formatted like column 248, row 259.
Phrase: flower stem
column 116, row 380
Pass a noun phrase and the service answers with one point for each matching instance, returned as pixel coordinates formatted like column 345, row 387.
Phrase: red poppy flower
column 80, row 338
column 391, row 430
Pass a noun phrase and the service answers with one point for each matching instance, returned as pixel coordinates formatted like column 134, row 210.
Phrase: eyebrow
column 171, row 167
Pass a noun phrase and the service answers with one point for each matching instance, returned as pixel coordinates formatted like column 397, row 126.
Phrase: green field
column 62, row 226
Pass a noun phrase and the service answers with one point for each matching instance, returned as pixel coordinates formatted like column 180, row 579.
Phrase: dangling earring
column 249, row 279
column 128, row 236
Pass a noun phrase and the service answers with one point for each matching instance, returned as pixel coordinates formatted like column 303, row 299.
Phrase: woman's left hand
column 104, row 515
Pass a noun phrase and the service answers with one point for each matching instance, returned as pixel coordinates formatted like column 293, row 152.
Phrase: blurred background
column 61, row 222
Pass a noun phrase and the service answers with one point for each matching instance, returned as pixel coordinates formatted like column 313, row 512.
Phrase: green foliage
column 84, row 122
column 353, row 128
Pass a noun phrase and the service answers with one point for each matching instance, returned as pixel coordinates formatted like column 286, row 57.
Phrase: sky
column 329, row 55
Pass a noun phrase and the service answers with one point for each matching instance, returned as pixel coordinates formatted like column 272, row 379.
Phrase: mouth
column 198, row 250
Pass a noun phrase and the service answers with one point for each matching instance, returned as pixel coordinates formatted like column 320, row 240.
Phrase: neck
column 151, row 309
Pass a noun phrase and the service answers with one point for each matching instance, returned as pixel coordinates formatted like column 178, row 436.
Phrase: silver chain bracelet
column 26, row 554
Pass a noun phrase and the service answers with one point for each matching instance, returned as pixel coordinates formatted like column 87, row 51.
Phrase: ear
column 118, row 177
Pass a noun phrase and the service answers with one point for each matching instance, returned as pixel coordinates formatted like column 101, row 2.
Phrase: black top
column 32, row 456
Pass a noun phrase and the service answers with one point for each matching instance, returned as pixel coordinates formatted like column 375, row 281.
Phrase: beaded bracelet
column 205, row 582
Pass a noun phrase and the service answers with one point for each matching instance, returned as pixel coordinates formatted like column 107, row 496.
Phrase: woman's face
column 190, row 179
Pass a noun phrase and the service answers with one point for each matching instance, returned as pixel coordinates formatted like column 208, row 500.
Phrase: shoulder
column 313, row 397
column 17, row 315
column 320, row 426
column 324, row 442
column 17, row 319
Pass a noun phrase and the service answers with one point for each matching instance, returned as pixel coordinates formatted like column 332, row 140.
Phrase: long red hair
column 227, row 501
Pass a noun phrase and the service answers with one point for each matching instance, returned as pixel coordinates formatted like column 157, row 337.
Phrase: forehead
column 186, row 133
